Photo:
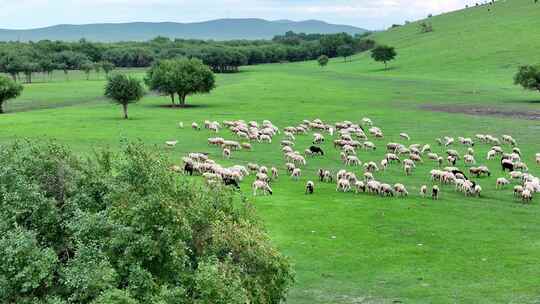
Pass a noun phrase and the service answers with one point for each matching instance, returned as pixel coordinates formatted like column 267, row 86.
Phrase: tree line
column 22, row 60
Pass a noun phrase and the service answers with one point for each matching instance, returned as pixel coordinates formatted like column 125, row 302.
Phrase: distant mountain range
column 221, row 29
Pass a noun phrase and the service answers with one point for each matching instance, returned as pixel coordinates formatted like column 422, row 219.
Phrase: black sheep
column 309, row 188
column 507, row 165
column 316, row 150
column 188, row 168
column 231, row 182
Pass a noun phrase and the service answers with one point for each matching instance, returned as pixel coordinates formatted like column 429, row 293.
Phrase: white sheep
column 261, row 185
column 423, row 191
column 181, row 125
column 538, row 159
column 171, row 144
column 343, row 185
column 527, row 196
column 401, row 190
column 275, row 173
column 501, row 182
column 195, row 126
column 296, row 174
column 405, row 136
column 353, row 161
column 227, row 153
column 469, row 159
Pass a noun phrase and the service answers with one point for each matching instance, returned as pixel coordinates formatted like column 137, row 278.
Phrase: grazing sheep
column 477, row 190
column 516, row 175
column 246, row 146
column 359, row 186
column 289, row 136
column 407, row 169
column 262, row 177
column 368, row 145
column 469, row 159
column 343, row 185
column 296, row 174
column 435, row 192
column 287, row 149
column 171, row 144
column 263, row 186
column 507, row 164
column 352, row 161
column 527, row 196
column 518, row 190
column 401, row 190
column 310, row 187
column 316, row 150
column 265, row 138
column 470, row 151
column 386, row 190
column 195, row 126
column 368, row 176
column 416, row 158
column 384, row 164
column 371, row 167
column 290, row 167
column 405, row 136
column 390, row 157
column 287, row 143
column 253, row 167
column 501, row 182
column 275, row 173
column 479, row 171
column 373, row 186
column 508, row 140
column 538, row 159
column 318, row 139
column 423, row 191
column 367, row 122
column 181, row 125
column 227, row 153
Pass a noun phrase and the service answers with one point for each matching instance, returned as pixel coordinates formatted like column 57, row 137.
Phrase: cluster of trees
column 528, row 76
column 17, row 58
column 121, row 228
column 174, row 77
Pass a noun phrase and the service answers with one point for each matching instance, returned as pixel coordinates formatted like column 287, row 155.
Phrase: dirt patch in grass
column 484, row 111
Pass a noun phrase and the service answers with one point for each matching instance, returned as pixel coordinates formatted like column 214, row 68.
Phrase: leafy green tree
column 161, row 78
column 97, row 68
column 323, row 61
column 47, row 66
column 29, row 68
column 528, row 77
column 345, row 51
column 9, row 89
column 383, row 53
column 183, row 76
column 107, row 67
column 87, row 67
column 124, row 90
column 122, row 228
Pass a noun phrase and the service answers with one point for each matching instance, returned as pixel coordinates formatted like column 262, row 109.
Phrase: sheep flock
column 350, row 140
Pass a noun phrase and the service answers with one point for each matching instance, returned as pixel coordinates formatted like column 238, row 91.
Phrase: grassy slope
column 472, row 250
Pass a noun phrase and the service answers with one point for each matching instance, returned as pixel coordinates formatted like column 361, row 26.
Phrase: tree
column 47, row 66
column 323, row 61
column 107, row 67
column 345, row 51
column 97, row 68
column 87, row 67
column 9, row 89
column 528, row 77
column 122, row 228
column 29, row 68
column 383, row 53
column 183, row 76
column 124, row 90
column 425, row 27
column 161, row 79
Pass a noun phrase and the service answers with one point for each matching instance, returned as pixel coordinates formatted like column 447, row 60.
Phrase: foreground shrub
column 121, row 228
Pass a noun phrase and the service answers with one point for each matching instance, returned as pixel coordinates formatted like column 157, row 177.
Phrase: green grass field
column 349, row 248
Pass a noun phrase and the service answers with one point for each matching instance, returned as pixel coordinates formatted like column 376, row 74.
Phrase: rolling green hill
column 468, row 44
column 222, row 29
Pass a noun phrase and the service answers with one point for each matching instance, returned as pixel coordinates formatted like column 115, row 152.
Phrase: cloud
column 364, row 13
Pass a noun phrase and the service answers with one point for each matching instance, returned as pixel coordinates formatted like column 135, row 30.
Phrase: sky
column 369, row 14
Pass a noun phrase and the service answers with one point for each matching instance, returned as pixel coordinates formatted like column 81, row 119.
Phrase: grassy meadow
column 349, row 248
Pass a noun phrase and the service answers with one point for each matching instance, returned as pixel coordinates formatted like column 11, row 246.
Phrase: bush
column 122, row 228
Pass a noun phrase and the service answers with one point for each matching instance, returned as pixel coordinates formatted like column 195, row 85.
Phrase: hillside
column 468, row 43
column 222, row 29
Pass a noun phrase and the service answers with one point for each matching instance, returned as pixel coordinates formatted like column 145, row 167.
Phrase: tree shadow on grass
column 179, row 108
column 524, row 101
column 391, row 68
